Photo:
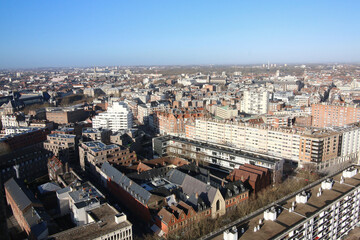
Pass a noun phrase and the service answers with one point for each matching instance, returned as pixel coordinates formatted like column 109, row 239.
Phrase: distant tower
column 268, row 65
column 94, row 71
column 277, row 74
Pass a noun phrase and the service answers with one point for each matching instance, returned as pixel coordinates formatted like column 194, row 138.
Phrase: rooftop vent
column 270, row 214
column 350, row 172
column 302, row 197
column 121, row 217
column 327, row 184
column 231, row 234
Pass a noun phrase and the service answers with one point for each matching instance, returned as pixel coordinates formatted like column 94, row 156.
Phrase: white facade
column 350, row 141
column 273, row 141
column 9, row 121
column 255, row 101
column 118, row 117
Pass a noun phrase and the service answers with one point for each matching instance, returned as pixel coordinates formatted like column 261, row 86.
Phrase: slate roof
column 23, row 199
column 191, row 185
column 124, row 182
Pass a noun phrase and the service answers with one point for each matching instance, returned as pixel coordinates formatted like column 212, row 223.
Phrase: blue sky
column 87, row 33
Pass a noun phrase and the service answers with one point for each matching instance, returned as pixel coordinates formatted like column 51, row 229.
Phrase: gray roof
column 191, row 185
column 18, row 195
column 126, row 183
column 176, row 176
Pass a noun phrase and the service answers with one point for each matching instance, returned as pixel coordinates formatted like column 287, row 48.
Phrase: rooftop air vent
column 350, row 172
column 327, row 184
column 302, row 197
column 270, row 214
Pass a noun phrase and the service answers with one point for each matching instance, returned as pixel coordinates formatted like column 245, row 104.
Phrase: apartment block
column 93, row 153
column 218, row 155
column 172, row 121
column 64, row 146
column 326, row 209
column 93, row 134
column 117, row 117
column 303, row 145
column 326, row 115
column 255, row 101
column 320, row 146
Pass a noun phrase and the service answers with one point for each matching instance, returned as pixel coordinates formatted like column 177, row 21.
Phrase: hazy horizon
column 45, row 34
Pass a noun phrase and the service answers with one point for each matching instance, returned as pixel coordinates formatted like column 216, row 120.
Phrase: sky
column 76, row 33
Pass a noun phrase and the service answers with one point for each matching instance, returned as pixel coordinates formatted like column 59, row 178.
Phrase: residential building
column 299, row 144
column 117, row 117
column 64, row 146
column 93, row 153
column 78, row 200
column 93, row 134
column 27, row 210
column 105, row 223
column 226, row 112
column 327, row 115
column 325, row 209
column 172, row 121
column 255, row 101
column 27, row 163
column 254, row 176
column 218, row 155
column 16, row 141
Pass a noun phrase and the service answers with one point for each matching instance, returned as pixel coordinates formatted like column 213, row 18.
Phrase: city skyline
column 78, row 34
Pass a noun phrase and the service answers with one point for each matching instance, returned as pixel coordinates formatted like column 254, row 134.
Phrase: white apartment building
column 326, row 209
column 255, row 101
column 118, row 117
column 278, row 142
column 350, row 141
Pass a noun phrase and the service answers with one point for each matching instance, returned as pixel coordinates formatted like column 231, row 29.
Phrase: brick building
column 325, row 115
column 173, row 121
column 27, row 210
column 28, row 163
column 63, row 146
column 255, row 177
column 66, row 115
column 92, row 153
column 15, row 141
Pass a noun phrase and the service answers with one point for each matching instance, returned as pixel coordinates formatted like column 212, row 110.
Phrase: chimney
column 197, row 195
column 222, row 182
column 66, row 167
column 208, row 177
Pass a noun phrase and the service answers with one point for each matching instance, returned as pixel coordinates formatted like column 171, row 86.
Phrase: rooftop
column 302, row 211
column 226, row 149
column 104, row 217
column 58, row 135
column 99, row 146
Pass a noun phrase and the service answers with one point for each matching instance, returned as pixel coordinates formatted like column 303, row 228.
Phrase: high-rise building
column 118, row 117
column 255, row 101
column 325, row 115
column 326, row 209
column 296, row 144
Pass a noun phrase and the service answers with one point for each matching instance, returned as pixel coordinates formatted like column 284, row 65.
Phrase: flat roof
column 302, row 212
column 97, row 146
column 58, row 135
column 226, row 149
column 104, row 223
